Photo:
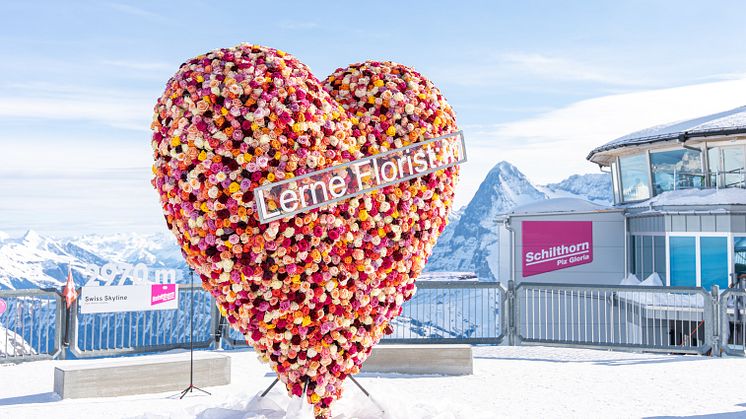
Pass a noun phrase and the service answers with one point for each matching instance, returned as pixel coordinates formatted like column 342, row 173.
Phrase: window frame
column 702, row 163
column 634, row 239
column 649, row 173
column 698, row 253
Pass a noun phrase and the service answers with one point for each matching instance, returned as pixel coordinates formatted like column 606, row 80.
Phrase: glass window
column 615, row 183
column 739, row 256
column 659, row 250
column 683, row 266
column 635, row 177
column 732, row 167
column 647, row 256
column 676, row 169
column 713, row 253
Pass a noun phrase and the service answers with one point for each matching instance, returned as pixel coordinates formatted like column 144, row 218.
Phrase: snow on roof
column 691, row 197
column 559, row 205
column 732, row 121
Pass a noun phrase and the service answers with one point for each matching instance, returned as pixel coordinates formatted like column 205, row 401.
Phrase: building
column 679, row 211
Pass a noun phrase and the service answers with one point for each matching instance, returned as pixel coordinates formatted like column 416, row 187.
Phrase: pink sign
column 3, row 306
column 553, row 245
column 162, row 293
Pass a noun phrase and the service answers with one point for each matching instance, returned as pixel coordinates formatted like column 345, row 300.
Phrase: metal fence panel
column 108, row 334
column 624, row 317
column 732, row 314
column 664, row 319
column 451, row 312
column 31, row 326
column 440, row 312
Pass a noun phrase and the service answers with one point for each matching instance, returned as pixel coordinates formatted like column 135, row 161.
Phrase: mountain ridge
column 469, row 243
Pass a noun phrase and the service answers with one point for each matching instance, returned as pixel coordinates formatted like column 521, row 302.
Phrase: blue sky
column 79, row 80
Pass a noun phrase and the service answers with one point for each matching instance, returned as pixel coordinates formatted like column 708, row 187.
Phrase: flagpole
column 70, row 295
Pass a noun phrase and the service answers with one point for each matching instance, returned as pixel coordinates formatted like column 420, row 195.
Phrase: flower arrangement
column 314, row 292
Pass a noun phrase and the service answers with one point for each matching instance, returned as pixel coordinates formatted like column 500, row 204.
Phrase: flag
column 69, row 291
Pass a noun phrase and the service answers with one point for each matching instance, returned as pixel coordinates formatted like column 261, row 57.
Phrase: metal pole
column 191, row 329
column 191, row 386
column 270, row 387
column 359, row 386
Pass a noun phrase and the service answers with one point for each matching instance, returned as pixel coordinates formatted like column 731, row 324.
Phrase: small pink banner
column 553, row 245
column 162, row 293
column 3, row 306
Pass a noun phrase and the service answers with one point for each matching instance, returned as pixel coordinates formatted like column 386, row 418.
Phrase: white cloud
column 561, row 68
column 40, row 101
column 527, row 70
column 553, row 145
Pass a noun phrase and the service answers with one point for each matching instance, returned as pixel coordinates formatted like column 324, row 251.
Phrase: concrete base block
column 139, row 375
column 421, row 359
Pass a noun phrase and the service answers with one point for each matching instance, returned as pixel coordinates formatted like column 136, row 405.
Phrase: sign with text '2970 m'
column 138, row 297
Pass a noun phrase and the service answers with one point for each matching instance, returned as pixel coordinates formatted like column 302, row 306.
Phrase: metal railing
column 451, row 312
column 230, row 337
column 732, row 315
column 660, row 319
column 107, row 334
column 31, row 326
column 700, row 179
column 439, row 312
column 663, row 319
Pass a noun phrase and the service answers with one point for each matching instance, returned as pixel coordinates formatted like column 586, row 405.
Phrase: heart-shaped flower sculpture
column 315, row 291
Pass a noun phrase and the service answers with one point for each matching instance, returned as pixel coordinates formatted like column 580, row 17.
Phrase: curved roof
column 723, row 123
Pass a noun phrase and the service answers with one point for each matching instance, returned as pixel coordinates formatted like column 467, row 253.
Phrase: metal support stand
column 270, row 387
column 305, row 387
column 361, row 387
column 191, row 386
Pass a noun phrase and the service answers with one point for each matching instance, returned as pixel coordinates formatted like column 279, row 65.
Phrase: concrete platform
column 139, row 375
column 421, row 359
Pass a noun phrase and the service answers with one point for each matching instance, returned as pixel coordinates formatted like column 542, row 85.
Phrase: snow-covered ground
column 507, row 382
column 12, row 343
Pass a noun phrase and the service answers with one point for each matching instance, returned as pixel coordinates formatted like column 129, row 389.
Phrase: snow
column 38, row 261
column 630, row 280
column 731, row 119
column 559, row 205
column 447, row 276
column 691, row 197
column 594, row 187
column 507, row 382
column 13, row 344
column 653, row 280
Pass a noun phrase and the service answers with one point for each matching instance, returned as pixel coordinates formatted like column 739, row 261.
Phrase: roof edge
column 681, row 136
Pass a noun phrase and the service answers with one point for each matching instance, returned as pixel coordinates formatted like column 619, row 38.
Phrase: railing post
column 510, row 309
column 714, row 330
column 64, row 322
column 217, row 323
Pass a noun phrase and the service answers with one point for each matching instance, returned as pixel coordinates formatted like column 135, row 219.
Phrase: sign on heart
column 312, row 292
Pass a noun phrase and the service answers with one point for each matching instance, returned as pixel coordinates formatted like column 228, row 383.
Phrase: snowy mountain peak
column 32, row 238
column 36, row 261
column 470, row 241
column 505, row 167
column 595, row 187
